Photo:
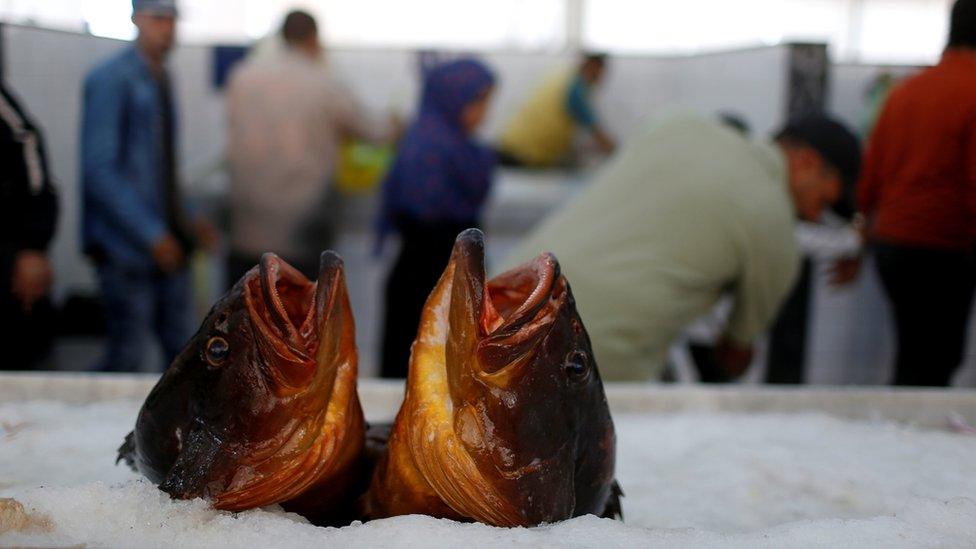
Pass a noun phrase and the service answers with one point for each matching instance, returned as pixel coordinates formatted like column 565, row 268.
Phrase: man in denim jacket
column 137, row 227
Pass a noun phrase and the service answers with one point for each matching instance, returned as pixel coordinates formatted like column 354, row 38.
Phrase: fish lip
column 327, row 289
column 545, row 269
column 506, row 337
column 294, row 339
column 509, row 348
column 273, row 270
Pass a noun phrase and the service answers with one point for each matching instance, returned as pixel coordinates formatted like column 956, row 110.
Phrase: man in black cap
column 689, row 211
column 137, row 226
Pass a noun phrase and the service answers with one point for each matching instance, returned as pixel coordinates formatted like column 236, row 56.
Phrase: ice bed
column 701, row 467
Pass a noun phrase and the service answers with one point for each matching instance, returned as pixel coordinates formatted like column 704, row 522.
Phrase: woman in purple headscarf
column 435, row 189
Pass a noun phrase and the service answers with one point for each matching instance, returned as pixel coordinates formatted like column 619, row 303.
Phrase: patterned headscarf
column 440, row 172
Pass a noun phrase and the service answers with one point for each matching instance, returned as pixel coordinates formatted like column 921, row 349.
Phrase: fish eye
column 577, row 365
column 217, row 350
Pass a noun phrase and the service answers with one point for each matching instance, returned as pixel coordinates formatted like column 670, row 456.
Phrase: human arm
column 106, row 187
column 34, row 207
column 206, row 234
column 357, row 123
column 870, row 182
column 579, row 107
column 733, row 357
column 845, row 269
column 31, row 275
column 840, row 245
column 190, row 218
column 604, row 142
column 768, row 272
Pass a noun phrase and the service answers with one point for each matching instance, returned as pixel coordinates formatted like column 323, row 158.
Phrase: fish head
column 271, row 371
column 526, row 394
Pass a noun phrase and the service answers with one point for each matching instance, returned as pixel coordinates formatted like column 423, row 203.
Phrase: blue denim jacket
column 123, row 209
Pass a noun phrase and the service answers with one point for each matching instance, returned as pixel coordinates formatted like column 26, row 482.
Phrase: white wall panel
column 850, row 333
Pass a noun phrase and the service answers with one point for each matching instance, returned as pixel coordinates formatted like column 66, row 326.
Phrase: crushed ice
column 719, row 480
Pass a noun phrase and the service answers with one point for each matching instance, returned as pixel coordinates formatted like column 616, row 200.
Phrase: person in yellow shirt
column 541, row 132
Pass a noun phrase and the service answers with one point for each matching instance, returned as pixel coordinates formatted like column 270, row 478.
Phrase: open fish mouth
column 479, row 369
column 292, row 314
column 510, row 314
column 261, row 407
column 306, row 338
column 504, row 420
column 525, row 299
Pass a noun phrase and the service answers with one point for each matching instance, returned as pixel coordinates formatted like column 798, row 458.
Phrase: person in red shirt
column 917, row 192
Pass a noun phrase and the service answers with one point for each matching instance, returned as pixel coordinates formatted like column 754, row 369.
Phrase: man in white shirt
column 286, row 119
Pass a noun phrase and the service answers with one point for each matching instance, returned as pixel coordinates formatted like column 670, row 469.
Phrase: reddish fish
column 505, row 420
column 261, row 406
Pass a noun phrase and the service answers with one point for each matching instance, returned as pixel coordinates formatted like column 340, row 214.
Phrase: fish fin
column 191, row 474
column 614, row 509
column 127, row 451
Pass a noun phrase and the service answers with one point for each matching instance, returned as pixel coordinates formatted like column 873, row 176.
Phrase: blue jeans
column 138, row 306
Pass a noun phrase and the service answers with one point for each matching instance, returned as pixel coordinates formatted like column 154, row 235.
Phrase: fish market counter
column 381, row 398
column 735, row 466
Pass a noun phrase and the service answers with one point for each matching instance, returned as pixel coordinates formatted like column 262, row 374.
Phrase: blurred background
column 762, row 62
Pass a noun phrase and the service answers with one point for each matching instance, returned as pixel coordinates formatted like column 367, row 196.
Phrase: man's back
column 922, row 157
column 284, row 113
column 286, row 118
column 687, row 211
column 542, row 130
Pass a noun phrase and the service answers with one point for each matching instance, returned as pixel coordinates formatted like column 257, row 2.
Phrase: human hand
column 206, row 234
column 604, row 142
column 844, row 271
column 860, row 225
column 397, row 127
column 167, row 253
column 733, row 358
column 31, row 277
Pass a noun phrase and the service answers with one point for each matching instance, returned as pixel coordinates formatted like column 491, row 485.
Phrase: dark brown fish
column 505, row 420
column 261, row 406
